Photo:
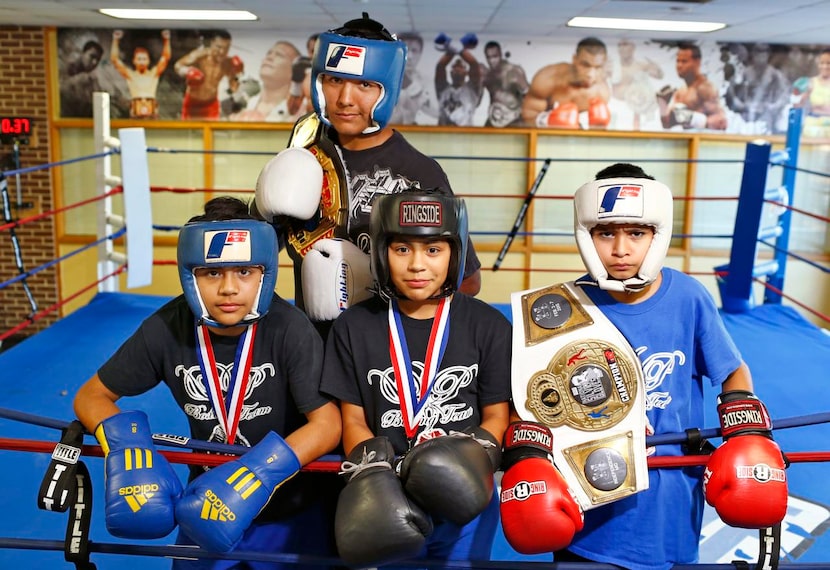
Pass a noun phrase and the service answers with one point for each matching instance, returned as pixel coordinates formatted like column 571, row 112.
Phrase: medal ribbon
column 229, row 407
column 411, row 398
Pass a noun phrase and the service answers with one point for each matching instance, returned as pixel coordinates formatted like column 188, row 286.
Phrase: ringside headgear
column 623, row 201
column 361, row 49
column 422, row 214
column 227, row 243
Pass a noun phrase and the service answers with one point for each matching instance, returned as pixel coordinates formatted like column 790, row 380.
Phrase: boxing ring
column 785, row 352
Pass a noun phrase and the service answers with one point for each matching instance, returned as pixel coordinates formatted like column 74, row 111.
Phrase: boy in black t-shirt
column 356, row 75
column 422, row 371
column 244, row 366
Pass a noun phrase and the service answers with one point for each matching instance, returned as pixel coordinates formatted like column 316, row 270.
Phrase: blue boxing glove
column 218, row 507
column 444, row 43
column 141, row 486
column 469, row 41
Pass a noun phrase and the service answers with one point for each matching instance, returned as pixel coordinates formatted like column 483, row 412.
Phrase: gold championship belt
column 573, row 371
column 332, row 219
column 144, row 108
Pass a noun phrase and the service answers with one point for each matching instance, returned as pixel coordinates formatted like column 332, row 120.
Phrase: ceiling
column 769, row 21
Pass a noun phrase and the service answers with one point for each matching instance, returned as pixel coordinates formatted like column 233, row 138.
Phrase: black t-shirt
column 474, row 372
column 390, row 168
column 283, row 383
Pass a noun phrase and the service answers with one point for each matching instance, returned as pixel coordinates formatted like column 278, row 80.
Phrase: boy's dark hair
column 622, row 170
column 224, row 208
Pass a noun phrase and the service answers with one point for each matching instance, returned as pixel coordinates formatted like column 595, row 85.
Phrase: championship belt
column 144, row 108
column 573, row 371
column 332, row 219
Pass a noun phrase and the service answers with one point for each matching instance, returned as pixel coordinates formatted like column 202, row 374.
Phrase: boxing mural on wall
column 592, row 83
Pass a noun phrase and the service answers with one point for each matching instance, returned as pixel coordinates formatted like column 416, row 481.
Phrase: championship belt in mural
column 332, row 219
column 574, row 372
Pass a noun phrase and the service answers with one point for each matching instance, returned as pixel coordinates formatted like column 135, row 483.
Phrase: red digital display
column 11, row 126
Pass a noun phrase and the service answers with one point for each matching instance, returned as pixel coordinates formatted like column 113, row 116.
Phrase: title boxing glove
column 451, row 477
column 290, row 184
column 194, row 77
column 745, row 478
column 336, row 275
column 539, row 513
column 218, row 506
column 375, row 522
column 563, row 116
column 141, row 486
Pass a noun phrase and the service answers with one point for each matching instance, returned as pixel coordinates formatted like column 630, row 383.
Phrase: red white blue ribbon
column 227, row 406
column 412, row 394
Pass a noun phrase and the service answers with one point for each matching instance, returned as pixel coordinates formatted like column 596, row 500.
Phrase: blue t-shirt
column 680, row 339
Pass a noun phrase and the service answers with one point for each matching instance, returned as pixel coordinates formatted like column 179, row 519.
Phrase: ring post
column 108, row 259
column 776, row 279
column 736, row 286
column 135, row 174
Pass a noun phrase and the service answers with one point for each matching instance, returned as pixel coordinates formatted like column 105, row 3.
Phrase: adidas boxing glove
column 218, row 506
column 141, row 486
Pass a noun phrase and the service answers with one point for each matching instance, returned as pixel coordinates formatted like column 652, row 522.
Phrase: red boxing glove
column 745, row 479
column 599, row 115
column 538, row 511
column 194, row 77
column 237, row 65
column 563, row 116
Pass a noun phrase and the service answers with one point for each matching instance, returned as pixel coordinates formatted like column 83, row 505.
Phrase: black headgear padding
column 365, row 27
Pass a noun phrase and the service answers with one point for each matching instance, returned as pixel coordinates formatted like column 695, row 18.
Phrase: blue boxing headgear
column 362, row 49
column 421, row 214
column 227, row 243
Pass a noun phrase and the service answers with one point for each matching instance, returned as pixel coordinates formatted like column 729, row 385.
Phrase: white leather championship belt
column 332, row 222
column 574, row 372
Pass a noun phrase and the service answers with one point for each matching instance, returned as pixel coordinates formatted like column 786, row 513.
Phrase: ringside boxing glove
column 336, row 275
column 451, row 476
column 218, row 506
column 538, row 511
column 141, row 486
column 375, row 522
column 290, row 184
column 745, row 478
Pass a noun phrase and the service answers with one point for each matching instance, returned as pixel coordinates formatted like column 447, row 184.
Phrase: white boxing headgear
column 624, row 201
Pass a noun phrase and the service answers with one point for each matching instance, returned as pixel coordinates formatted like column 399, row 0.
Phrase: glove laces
column 367, row 461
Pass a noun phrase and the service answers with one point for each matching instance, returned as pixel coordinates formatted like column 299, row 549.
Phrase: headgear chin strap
column 228, row 243
column 624, row 201
column 364, row 50
column 421, row 214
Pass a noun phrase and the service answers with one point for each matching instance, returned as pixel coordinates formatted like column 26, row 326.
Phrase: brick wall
column 23, row 91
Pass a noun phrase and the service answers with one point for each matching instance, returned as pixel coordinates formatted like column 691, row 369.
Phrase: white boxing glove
column 687, row 118
column 289, row 184
column 336, row 275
